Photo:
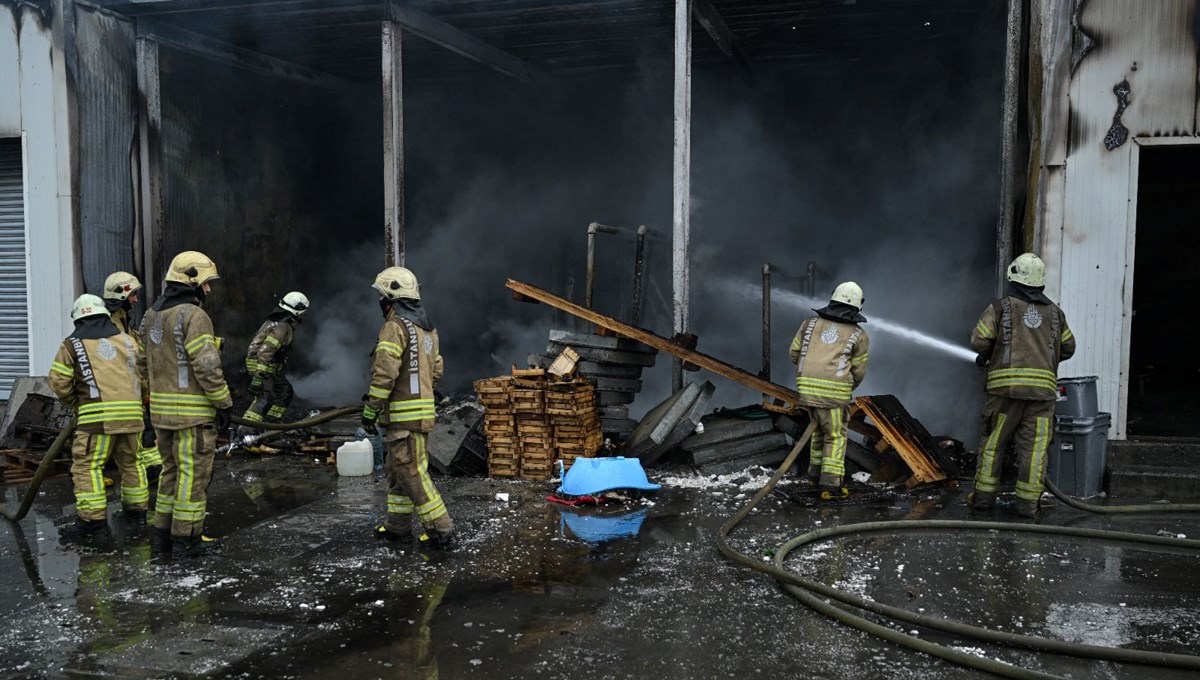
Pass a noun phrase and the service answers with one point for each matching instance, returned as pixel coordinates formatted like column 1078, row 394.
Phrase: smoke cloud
column 881, row 171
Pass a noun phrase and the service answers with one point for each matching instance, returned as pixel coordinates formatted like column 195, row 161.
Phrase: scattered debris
column 669, row 423
column 736, row 442
column 450, row 445
column 894, row 427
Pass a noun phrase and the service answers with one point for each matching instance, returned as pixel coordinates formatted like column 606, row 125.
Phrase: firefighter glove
column 981, row 360
column 368, row 418
column 224, row 418
column 256, row 385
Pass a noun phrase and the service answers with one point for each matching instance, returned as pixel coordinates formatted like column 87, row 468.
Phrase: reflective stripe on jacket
column 405, row 366
column 831, row 360
column 182, row 365
column 99, row 379
column 1025, row 341
column 267, row 348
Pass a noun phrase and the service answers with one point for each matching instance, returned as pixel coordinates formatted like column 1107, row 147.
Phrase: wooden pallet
column 907, row 436
column 494, row 393
column 19, row 465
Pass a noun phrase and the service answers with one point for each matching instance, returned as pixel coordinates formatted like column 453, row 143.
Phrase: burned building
column 307, row 143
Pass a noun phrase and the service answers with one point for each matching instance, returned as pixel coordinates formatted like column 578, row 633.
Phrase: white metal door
column 14, row 316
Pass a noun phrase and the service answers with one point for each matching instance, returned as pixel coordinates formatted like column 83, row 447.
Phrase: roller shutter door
column 14, row 317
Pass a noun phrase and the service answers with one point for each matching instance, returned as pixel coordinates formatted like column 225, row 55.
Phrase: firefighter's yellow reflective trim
column 63, row 369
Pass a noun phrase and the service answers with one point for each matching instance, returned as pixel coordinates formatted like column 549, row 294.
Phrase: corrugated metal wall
column 106, row 90
column 1149, row 50
column 14, row 314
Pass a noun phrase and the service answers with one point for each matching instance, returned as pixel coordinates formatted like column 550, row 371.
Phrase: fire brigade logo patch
column 429, row 345
column 156, row 334
column 1032, row 317
column 829, row 335
column 106, row 350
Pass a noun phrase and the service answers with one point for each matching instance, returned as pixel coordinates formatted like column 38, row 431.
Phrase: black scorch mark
column 1118, row 134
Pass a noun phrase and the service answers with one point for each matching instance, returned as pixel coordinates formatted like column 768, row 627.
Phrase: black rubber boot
column 446, row 543
column 1027, row 510
column 160, row 541
column 980, row 502
column 134, row 518
column 383, row 533
column 83, row 529
column 194, row 546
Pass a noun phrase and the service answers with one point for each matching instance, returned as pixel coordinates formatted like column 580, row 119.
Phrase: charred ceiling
column 342, row 37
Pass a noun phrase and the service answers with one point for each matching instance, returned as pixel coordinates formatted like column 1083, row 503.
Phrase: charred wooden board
column 908, row 437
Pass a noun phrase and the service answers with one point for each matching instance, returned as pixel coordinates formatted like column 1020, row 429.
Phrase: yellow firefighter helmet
column 88, row 305
column 193, row 268
column 1028, row 269
column 120, row 285
column 850, row 293
column 397, row 282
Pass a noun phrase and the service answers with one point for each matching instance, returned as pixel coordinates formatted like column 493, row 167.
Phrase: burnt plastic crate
column 1077, row 397
column 1079, row 454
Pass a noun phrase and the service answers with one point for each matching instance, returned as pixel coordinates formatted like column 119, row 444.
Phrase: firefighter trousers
column 1032, row 423
column 183, row 483
column 410, row 488
column 89, row 453
column 272, row 402
column 827, row 451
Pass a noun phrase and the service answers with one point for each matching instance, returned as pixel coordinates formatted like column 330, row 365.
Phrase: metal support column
column 639, row 276
column 393, row 145
column 1008, row 149
column 681, row 205
column 765, row 373
column 150, row 169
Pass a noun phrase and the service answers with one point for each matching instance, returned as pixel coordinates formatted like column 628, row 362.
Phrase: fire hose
column 821, row 597
column 65, row 435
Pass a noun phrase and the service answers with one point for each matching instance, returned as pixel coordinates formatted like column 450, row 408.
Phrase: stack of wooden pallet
column 533, row 419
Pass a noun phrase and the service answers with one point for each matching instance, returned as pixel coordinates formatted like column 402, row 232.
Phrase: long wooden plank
column 658, row 342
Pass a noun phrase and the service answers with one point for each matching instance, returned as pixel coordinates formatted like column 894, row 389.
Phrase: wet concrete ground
column 302, row 590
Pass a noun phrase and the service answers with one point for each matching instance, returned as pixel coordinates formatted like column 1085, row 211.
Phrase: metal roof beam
column 238, row 57
column 441, row 33
column 713, row 23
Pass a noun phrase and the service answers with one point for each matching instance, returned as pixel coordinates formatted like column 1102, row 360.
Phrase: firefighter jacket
column 96, row 374
column 405, row 366
column 1024, row 341
column 268, row 350
column 181, row 363
column 831, row 360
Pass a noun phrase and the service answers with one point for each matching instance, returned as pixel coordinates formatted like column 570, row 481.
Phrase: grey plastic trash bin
column 1079, row 454
column 1077, row 397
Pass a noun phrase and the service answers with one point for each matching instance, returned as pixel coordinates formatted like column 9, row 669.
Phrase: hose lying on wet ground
column 65, row 435
column 812, row 593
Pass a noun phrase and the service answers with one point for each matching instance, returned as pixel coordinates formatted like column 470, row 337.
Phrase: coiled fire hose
column 65, row 436
column 814, row 594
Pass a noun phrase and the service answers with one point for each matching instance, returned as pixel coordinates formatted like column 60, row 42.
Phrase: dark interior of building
column 1163, row 371
column 506, row 163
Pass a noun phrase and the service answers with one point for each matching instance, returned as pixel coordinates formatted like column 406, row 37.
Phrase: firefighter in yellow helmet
column 405, row 366
column 120, row 293
column 1021, row 338
column 266, row 358
column 94, row 374
column 830, row 353
column 189, row 400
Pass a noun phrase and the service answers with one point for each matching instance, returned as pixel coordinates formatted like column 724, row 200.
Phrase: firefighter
column 265, row 360
column 404, row 368
column 120, row 293
column 830, row 353
column 189, row 400
column 1021, row 338
column 94, row 373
